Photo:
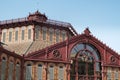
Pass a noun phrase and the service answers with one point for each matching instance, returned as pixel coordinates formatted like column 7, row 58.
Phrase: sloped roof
column 86, row 33
column 27, row 47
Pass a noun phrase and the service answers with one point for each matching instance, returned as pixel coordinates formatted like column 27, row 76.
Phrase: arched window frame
column 51, row 69
column 3, row 67
column 37, row 32
column 10, row 68
column 16, row 33
column 85, row 67
column 116, row 76
column 23, row 33
column 28, row 70
column 51, row 35
column 40, row 71
column 61, row 72
column 109, row 74
column 57, row 33
column 10, row 34
column 18, row 71
column 44, row 33
column 4, row 32
column 63, row 35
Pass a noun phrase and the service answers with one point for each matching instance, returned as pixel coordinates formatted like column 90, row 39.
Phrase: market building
column 38, row 48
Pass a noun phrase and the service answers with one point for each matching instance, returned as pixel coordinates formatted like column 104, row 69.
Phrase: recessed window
column 51, row 36
column 37, row 33
column 23, row 33
column 57, row 36
column 29, row 33
column 10, row 36
column 16, row 35
column 40, row 68
column 11, row 68
column 51, row 72
column 4, row 36
column 28, row 72
column 3, row 68
column 63, row 36
column 17, row 71
column 44, row 33
column 61, row 73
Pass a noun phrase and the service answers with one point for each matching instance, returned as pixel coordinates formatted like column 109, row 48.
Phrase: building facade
column 37, row 48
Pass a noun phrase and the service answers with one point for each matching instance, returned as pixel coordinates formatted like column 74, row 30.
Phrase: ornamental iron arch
column 86, row 62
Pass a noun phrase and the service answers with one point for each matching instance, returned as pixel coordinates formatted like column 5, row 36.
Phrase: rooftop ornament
column 87, row 31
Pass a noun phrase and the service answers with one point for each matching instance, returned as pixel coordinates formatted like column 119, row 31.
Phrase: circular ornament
column 56, row 54
column 112, row 59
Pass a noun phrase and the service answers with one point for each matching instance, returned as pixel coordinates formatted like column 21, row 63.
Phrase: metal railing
column 13, row 21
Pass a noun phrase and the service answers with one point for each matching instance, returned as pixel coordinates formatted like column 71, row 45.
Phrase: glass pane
column 44, row 34
column 39, row 72
column 10, row 75
column 29, row 33
column 10, row 36
column 4, row 37
column 16, row 35
column 29, row 72
column 51, row 73
column 51, row 35
column 82, row 68
column 90, row 69
column 23, row 34
column 3, row 69
column 17, row 72
column 57, row 36
column 61, row 73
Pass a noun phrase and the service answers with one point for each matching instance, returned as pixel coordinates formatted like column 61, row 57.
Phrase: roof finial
column 87, row 31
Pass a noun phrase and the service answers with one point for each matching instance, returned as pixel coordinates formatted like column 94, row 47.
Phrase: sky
column 101, row 16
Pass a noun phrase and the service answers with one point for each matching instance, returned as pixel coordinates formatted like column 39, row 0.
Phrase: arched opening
column 17, row 71
column 28, row 72
column 40, row 71
column 3, row 68
column 85, row 62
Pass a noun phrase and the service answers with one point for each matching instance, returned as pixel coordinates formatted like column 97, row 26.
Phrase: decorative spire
column 87, row 31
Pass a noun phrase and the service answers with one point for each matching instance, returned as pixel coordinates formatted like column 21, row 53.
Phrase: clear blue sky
column 101, row 16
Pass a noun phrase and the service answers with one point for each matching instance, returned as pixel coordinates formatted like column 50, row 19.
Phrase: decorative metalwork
column 56, row 54
column 112, row 58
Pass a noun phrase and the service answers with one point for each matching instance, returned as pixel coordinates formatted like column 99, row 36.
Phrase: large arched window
column 18, row 71
column 28, row 72
column 11, row 69
column 3, row 68
column 85, row 62
column 39, row 71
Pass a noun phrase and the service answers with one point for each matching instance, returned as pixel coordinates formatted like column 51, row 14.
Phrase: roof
column 27, row 47
column 40, row 18
column 86, row 34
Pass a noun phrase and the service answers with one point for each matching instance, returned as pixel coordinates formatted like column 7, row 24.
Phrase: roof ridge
column 107, row 46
